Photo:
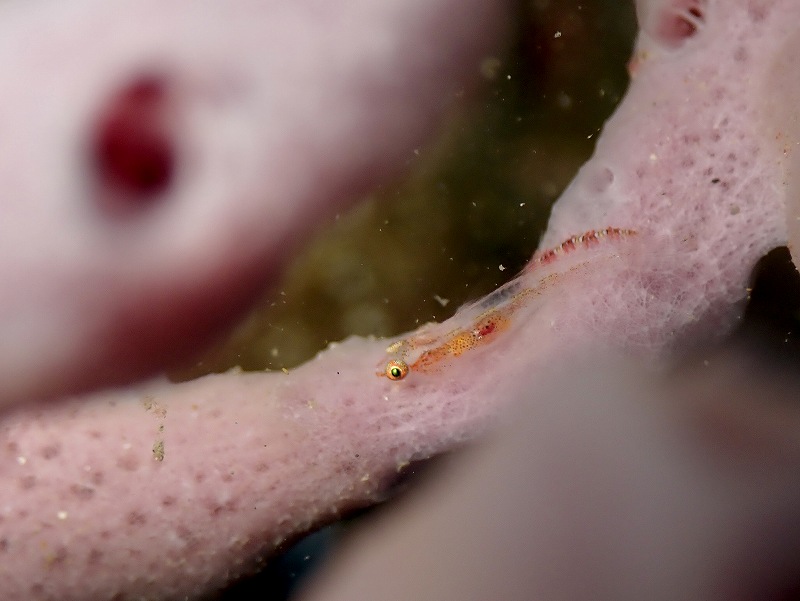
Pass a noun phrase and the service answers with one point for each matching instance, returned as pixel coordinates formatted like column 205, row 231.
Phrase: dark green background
column 477, row 197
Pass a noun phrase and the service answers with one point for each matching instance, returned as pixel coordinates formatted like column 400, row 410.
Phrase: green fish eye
column 396, row 370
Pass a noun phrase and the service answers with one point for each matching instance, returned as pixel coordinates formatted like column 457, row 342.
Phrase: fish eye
column 396, row 370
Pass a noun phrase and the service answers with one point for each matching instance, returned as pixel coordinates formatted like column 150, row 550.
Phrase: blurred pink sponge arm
column 165, row 159
column 608, row 486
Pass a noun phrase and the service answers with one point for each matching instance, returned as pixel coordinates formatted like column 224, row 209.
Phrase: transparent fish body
column 480, row 322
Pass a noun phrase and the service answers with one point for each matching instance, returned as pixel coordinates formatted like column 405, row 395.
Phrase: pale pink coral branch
column 170, row 490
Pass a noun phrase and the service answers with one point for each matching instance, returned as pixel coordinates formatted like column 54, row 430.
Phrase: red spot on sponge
column 133, row 148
